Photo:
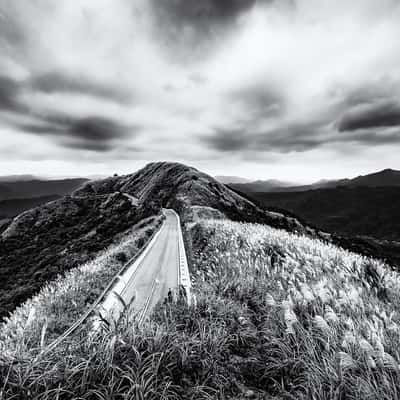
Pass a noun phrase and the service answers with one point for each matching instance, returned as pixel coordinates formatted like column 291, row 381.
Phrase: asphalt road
column 148, row 280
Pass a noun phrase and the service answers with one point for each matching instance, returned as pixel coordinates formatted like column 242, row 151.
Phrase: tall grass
column 323, row 322
column 61, row 302
column 276, row 316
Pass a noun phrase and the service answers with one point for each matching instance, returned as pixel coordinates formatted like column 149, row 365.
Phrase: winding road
column 149, row 278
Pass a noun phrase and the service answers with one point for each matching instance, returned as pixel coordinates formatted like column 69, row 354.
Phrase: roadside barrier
column 183, row 281
column 183, row 274
column 94, row 306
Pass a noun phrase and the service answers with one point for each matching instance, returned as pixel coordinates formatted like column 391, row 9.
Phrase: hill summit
column 178, row 186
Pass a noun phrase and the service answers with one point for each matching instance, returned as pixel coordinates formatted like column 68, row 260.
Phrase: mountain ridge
column 227, row 179
column 385, row 177
column 178, row 186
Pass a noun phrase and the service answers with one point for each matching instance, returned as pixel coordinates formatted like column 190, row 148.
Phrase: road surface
column 149, row 278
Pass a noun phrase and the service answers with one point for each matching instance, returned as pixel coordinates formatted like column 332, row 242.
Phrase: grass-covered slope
column 309, row 320
column 53, row 238
column 276, row 316
column 61, row 302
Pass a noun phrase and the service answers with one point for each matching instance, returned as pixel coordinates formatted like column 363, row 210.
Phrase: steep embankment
column 58, row 236
column 166, row 184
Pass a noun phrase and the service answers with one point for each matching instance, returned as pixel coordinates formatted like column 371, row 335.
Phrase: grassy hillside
column 56, row 237
column 64, row 300
column 276, row 316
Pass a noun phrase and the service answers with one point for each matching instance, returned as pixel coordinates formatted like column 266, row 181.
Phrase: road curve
column 149, row 278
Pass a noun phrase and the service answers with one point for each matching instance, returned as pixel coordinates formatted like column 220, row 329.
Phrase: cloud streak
column 370, row 116
column 56, row 82
column 93, row 133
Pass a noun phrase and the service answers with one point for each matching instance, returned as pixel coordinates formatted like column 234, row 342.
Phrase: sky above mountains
column 292, row 89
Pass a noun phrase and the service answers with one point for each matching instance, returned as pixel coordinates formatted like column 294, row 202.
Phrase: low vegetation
column 51, row 239
column 63, row 301
column 276, row 316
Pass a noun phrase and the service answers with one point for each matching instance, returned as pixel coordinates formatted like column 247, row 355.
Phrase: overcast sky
column 292, row 89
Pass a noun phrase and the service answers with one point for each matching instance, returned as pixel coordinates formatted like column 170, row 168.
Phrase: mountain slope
column 53, row 238
column 387, row 177
column 174, row 185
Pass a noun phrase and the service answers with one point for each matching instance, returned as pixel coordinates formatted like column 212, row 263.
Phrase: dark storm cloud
column 295, row 137
column 242, row 141
column 89, row 133
column 55, row 82
column 202, row 13
column 227, row 140
column 383, row 114
column 96, row 129
column 192, row 24
column 9, row 91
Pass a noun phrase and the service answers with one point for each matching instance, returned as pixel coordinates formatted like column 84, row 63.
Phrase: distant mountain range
column 386, row 177
column 11, row 208
column 226, row 180
column 22, row 192
column 270, row 185
column 18, row 178
column 21, row 188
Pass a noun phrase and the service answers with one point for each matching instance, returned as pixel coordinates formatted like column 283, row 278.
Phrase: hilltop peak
column 181, row 187
column 388, row 171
